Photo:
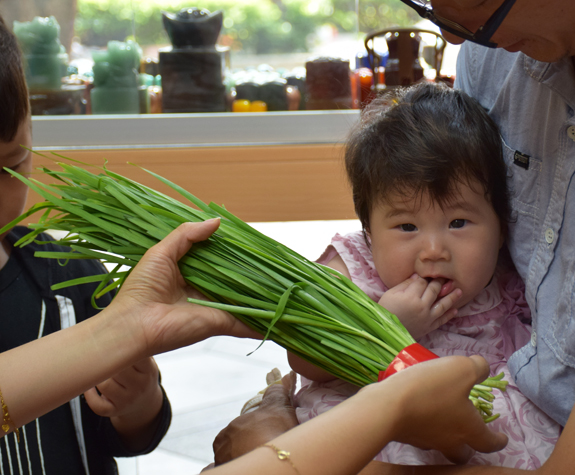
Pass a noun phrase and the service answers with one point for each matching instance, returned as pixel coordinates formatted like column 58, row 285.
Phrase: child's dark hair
column 425, row 139
column 14, row 107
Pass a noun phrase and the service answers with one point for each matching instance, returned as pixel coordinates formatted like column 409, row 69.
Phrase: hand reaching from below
column 132, row 400
column 274, row 416
column 418, row 305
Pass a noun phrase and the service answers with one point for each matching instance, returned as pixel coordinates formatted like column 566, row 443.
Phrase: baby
column 429, row 187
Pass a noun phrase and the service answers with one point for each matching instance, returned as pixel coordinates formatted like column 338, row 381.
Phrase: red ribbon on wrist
column 410, row 355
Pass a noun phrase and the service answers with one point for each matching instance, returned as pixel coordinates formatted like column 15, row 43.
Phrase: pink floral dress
column 493, row 326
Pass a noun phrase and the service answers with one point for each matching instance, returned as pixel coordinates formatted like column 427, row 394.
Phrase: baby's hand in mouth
column 446, row 288
column 446, row 285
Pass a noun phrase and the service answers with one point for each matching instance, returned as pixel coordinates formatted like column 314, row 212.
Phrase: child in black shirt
column 126, row 415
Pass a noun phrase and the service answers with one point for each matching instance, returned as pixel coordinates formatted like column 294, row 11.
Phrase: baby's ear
column 367, row 235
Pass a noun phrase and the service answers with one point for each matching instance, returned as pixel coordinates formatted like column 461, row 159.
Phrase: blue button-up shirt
column 533, row 103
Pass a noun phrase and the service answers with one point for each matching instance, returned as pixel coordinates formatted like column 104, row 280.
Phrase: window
column 263, row 47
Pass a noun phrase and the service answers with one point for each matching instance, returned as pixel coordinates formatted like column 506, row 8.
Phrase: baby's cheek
column 393, row 268
column 392, row 279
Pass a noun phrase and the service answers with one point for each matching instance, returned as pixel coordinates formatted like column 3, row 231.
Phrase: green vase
column 115, row 100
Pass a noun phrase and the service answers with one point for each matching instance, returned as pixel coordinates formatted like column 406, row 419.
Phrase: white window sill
column 191, row 130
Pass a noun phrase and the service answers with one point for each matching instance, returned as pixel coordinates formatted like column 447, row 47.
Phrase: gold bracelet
column 6, row 421
column 282, row 455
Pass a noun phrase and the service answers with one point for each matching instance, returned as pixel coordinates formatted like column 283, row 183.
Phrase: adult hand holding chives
column 456, row 434
column 156, row 296
column 149, row 315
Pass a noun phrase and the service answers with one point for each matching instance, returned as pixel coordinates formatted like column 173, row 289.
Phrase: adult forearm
column 410, row 407
column 44, row 374
column 340, row 441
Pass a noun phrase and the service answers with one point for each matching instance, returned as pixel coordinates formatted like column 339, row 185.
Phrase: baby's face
column 12, row 191
column 458, row 243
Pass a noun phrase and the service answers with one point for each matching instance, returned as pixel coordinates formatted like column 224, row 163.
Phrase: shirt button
column 571, row 132
column 533, row 338
column 549, row 235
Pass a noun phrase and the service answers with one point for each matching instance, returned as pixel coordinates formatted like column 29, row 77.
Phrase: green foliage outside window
column 255, row 26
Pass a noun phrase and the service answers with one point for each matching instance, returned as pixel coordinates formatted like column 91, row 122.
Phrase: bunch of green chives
column 305, row 307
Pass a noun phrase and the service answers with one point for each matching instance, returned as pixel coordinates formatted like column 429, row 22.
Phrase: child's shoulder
column 42, row 242
column 46, row 270
column 19, row 232
column 355, row 251
column 355, row 243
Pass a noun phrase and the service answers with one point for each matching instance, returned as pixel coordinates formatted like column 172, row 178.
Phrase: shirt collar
column 559, row 76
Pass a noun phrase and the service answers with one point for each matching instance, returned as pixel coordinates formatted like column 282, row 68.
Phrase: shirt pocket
column 524, row 184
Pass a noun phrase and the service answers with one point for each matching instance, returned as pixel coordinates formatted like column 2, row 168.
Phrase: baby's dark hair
column 426, row 138
column 14, row 106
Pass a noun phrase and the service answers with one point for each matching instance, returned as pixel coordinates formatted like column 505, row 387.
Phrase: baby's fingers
column 420, row 288
column 443, row 319
column 410, row 283
column 445, row 305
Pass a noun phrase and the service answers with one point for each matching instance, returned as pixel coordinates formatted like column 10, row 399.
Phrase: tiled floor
column 208, row 383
